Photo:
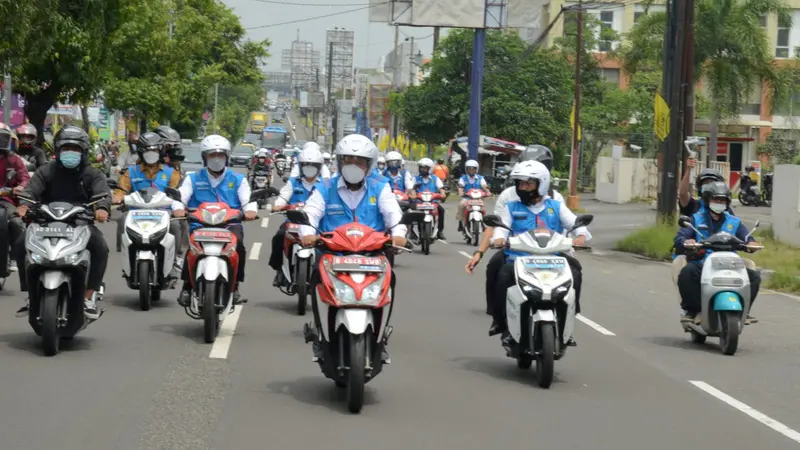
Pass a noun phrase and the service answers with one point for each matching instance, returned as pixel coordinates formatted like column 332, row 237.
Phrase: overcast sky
column 372, row 40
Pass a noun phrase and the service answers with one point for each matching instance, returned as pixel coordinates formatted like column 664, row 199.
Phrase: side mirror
column 173, row 193
column 758, row 222
column 298, row 217
column 684, row 221
column 583, row 220
column 258, row 194
column 494, row 221
column 412, row 216
column 112, row 184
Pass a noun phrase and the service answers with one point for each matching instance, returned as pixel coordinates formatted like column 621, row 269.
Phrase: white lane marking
column 291, row 128
column 443, row 242
column 466, row 255
column 225, row 337
column 255, row 251
column 265, row 222
column 754, row 413
column 597, row 327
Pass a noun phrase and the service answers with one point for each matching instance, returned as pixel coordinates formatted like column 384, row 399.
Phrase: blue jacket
column 733, row 224
column 368, row 213
column 524, row 220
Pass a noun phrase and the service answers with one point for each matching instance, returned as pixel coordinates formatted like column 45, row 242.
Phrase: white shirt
column 387, row 204
column 187, row 190
column 461, row 183
column 439, row 184
column 287, row 190
column 296, row 171
column 566, row 216
column 408, row 181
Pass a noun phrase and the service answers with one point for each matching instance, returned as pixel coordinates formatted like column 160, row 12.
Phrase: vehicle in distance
column 258, row 120
column 241, row 156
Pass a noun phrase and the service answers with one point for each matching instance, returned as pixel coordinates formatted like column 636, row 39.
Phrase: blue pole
column 476, row 93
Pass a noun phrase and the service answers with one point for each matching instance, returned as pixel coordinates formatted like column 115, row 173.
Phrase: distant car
column 241, row 156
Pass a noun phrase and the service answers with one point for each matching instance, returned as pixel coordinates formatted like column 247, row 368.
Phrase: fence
column 596, row 144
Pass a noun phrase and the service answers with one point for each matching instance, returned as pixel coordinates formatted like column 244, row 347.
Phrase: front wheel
column 301, row 281
column 545, row 361
column 356, row 375
column 144, row 285
column 729, row 331
column 48, row 311
column 426, row 238
column 476, row 232
column 210, row 316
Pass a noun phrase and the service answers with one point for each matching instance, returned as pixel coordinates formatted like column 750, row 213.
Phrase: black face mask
column 527, row 197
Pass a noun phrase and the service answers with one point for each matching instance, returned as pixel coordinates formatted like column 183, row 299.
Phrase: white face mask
column 309, row 171
column 216, row 164
column 353, row 174
column 718, row 208
column 150, row 157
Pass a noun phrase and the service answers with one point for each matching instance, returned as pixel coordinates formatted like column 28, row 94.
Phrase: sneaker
column 22, row 312
column 460, row 226
column 90, row 309
column 440, row 236
column 185, row 298
column 688, row 317
column 237, row 298
column 385, row 356
column 278, row 280
column 495, row 329
column 12, row 266
column 317, row 350
column 571, row 342
column 750, row 319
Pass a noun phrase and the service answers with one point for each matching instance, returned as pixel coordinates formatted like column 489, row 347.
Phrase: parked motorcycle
column 298, row 263
column 540, row 307
column 427, row 226
column 751, row 195
column 213, row 262
column 472, row 222
column 57, row 264
column 352, row 304
column 725, row 291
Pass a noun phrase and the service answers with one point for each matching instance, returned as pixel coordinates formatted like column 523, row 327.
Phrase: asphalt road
column 145, row 380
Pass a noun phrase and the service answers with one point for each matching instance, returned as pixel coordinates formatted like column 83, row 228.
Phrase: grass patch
column 653, row 242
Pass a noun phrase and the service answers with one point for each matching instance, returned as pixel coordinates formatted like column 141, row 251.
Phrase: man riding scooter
column 324, row 173
column 468, row 181
column 297, row 190
column 426, row 182
column 260, row 167
column 711, row 218
column 11, row 164
column 399, row 179
column 33, row 156
column 326, row 158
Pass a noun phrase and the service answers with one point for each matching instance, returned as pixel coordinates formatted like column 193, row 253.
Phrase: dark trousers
column 15, row 226
column 241, row 250
column 689, row 286
column 276, row 253
column 440, row 210
column 492, row 270
column 98, row 251
column 507, row 278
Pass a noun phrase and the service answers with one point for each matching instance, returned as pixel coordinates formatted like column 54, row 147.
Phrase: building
column 278, row 81
column 339, row 55
column 302, row 61
column 410, row 59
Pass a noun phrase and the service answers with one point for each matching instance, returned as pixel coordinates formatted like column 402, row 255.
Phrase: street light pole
column 216, row 101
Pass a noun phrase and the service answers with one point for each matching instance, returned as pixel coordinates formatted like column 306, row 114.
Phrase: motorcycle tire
column 426, row 236
column 301, row 281
column 210, row 316
column 545, row 361
column 356, row 376
column 144, row 285
column 743, row 200
column 730, row 323
column 476, row 233
column 48, row 312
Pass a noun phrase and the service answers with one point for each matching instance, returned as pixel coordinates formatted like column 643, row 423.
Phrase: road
column 145, row 380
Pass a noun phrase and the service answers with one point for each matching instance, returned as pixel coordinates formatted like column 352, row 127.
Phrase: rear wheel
column 301, row 281
column 476, row 232
column 426, row 238
column 356, row 376
column 729, row 331
column 144, row 285
column 48, row 312
column 210, row 316
column 545, row 362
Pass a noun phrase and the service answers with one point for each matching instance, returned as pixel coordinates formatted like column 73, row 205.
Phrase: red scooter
column 472, row 222
column 427, row 226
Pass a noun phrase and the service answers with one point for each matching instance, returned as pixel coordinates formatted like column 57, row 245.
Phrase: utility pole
column 216, row 102
column 435, row 39
column 334, row 122
column 395, row 71
column 171, row 30
column 411, row 63
column 689, row 102
column 330, row 84
column 7, row 98
column 476, row 93
column 573, row 200
column 314, row 111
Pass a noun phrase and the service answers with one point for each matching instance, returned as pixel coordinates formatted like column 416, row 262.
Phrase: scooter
column 540, row 308
column 148, row 249
column 352, row 304
column 751, row 195
column 427, row 226
column 213, row 262
column 280, row 166
column 57, row 265
column 472, row 222
column 261, row 180
column 297, row 264
column 725, row 289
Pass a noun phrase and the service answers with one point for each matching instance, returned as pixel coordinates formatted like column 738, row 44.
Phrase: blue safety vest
column 139, row 181
column 523, row 220
column 429, row 186
column 299, row 192
column 227, row 190
column 397, row 182
column 471, row 185
column 702, row 221
column 368, row 213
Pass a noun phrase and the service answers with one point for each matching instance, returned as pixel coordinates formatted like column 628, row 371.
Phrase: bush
column 781, row 258
column 653, row 242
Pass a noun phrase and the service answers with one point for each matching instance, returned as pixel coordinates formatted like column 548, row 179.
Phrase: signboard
column 379, row 105
column 316, row 99
column 304, row 99
column 17, row 110
column 661, row 125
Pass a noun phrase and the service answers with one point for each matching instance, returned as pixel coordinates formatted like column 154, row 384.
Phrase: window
column 499, row 161
column 763, row 20
column 607, row 23
column 782, row 44
column 610, row 75
column 636, row 16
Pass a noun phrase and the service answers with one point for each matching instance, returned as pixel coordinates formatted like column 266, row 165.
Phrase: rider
column 440, row 170
column 399, row 179
column 8, row 162
column 710, row 219
column 380, row 167
column 71, row 179
column 150, row 172
column 326, row 158
column 297, row 190
column 217, row 184
column 173, row 153
column 426, row 182
column 533, row 209
column 470, row 180
column 325, row 174
column 687, row 204
column 260, row 164
column 356, row 195
column 33, row 156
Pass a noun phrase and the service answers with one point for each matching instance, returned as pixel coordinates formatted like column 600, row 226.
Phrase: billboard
column 303, row 99
column 379, row 105
column 17, row 110
column 316, row 99
column 459, row 13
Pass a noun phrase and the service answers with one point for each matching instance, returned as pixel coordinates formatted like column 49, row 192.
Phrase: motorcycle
column 261, row 180
column 280, row 166
column 297, row 264
column 540, row 308
column 427, row 226
column 57, row 264
column 148, row 249
column 213, row 262
column 472, row 223
column 751, row 195
column 725, row 289
column 352, row 304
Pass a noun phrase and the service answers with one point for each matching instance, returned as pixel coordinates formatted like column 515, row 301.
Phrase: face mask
column 70, row 160
column 718, row 208
column 394, row 169
column 150, row 157
column 527, row 197
column 309, row 171
column 353, row 174
column 381, row 167
column 216, row 164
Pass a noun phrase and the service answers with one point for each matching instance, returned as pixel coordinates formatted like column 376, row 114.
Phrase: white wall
column 620, row 181
column 786, row 203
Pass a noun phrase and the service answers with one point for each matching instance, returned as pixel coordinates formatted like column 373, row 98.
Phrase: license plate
column 261, row 179
column 544, row 263
column 292, row 227
column 476, row 202
column 212, row 236
column 357, row 264
column 54, row 232
column 426, row 207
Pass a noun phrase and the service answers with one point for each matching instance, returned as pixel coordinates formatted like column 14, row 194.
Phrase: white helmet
column 313, row 145
column 532, row 170
column 215, row 144
column 326, row 156
column 471, row 163
column 381, row 159
column 394, row 156
column 310, row 155
column 357, row 145
column 426, row 162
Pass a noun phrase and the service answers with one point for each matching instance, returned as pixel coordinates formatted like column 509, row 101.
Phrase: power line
column 315, row 18
column 276, row 2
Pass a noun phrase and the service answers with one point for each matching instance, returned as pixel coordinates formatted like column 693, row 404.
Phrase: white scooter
column 472, row 222
column 148, row 249
column 540, row 308
column 724, row 289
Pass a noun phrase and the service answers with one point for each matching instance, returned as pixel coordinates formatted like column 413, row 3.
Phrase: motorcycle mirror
column 173, row 193
column 298, row 217
column 583, row 220
column 684, row 221
column 112, row 184
column 494, row 221
column 412, row 216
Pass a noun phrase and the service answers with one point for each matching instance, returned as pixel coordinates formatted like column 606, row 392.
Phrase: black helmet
column 73, row 135
column 716, row 189
column 149, row 141
column 705, row 175
column 174, row 152
column 168, row 135
column 538, row 153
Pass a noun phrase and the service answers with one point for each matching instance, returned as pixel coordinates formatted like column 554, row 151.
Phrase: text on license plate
column 357, row 264
column 426, row 207
column 543, row 263
column 52, row 232
column 212, row 236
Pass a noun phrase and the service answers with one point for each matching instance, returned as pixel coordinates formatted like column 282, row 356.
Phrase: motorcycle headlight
column 214, row 218
column 69, row 260
column 532, row 292
column 36, row 258
column 561, row 292
column 346, row 295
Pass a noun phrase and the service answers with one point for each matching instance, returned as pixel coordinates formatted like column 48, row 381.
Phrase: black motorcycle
column 260, row 180
column 751, row 195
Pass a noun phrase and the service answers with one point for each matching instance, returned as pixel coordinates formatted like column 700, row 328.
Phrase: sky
column 265, row 19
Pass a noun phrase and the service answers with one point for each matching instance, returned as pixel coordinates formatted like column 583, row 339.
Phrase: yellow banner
column 661, row 123
column 572, row 123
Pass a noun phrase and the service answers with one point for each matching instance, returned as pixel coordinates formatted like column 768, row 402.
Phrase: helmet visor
column 5, row 141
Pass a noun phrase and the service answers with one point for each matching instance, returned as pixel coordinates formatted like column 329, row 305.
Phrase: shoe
column 495, row 329
column 12, row 266
column 440, row 236
column 750, row 319
column 571, row 342
column 385, row 356
column 90, row 309
column 412, row 236
column 185, row 298
column 22, row 312
column 237, row 298
column 688, row 317
column 460, row 226
column 505, row 339
column 278, row 280
column 317, row 350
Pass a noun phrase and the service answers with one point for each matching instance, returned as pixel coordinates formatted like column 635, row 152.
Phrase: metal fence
column 595, row 144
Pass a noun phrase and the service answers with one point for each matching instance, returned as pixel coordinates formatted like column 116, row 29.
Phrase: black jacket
column 33, row 155
column 54, row 183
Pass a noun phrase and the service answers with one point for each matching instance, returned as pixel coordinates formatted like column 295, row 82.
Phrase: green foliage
column 779, row 148
column 653, row 242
